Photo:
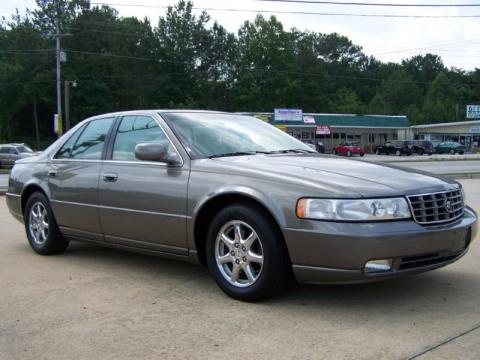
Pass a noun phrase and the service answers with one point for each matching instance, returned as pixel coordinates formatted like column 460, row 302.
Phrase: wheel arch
column 207, row 210
column 29, row 190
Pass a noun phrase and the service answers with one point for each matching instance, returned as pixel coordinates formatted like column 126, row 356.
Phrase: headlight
column 353, row 210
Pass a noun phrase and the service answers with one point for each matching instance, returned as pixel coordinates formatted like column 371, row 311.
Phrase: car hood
column 326, row 175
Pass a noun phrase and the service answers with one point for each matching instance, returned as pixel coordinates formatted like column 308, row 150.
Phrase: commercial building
column 464, row 132
column 331, row 129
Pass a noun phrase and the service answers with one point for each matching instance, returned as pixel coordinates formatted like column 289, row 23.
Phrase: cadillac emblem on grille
column 448, row 206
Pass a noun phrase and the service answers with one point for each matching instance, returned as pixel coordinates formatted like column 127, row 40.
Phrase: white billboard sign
column 473, row 111
column 288, row 115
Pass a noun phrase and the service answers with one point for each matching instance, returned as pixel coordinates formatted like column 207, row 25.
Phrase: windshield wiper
column 296, row 151
column 236, row 153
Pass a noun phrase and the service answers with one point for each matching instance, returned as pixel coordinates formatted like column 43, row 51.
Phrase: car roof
column 159, row 111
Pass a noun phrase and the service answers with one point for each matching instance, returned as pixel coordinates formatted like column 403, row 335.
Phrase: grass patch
column 4, row 171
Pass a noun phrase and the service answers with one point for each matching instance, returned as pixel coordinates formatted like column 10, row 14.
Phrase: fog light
column 378, row 265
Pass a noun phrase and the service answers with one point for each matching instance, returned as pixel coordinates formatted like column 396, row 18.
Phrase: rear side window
column 4, row 150
column 134, row 130
column 91, row 141
column 66, row 150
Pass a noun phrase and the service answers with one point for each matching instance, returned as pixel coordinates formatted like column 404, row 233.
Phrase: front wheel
column 246, row 254
column 398, row 153
column 334, row 152
column 349, row 153
column 41, row 227
column 452, row 151
column 377, row 152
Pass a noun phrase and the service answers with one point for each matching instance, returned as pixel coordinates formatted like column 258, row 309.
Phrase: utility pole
column 60, row 57
column 59, row 90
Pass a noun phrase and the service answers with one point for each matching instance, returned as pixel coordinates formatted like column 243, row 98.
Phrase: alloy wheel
column 239, row 253
column 38, row 223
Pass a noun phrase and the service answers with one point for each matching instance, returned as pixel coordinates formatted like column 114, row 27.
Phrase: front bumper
column 333, row 252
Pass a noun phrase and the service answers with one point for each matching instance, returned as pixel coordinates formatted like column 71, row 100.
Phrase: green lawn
column 4, row 171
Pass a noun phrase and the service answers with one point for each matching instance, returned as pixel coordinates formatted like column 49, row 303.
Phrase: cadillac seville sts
column 238, row 195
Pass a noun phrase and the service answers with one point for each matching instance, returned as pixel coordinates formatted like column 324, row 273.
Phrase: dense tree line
column 186, row 61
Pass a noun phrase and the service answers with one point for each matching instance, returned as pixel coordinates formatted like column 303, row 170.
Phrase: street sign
column 473, row 111
column 323, row 130
column 288, row 115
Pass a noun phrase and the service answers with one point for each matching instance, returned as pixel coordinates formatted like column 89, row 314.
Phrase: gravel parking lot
column 99, row 303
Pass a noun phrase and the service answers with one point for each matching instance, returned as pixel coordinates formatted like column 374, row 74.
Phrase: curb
column 405, row 160
column 475, row 175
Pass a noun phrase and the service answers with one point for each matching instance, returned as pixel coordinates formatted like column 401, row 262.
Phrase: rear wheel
column 377, row 152
column 420, row 152
column 246, row 254
column 41, row 227
column 452, row 151
column 334, row 152
column 349, row 153
column 398, row 153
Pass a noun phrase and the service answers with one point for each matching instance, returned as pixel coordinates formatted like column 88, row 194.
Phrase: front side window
column 134, row 130
column 90, row 143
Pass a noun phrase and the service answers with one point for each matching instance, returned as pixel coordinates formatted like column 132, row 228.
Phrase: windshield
column 209, row 134
column 24, row 149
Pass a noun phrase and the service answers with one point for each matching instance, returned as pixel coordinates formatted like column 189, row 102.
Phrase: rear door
column 143, row 204
column 73, row 175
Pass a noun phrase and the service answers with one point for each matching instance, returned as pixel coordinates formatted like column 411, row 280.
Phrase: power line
column 369, row 4
column 259, row 69
column 26, row 50
column 301, row 12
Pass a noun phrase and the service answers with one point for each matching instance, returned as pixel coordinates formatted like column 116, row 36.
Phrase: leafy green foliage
column 186, row 61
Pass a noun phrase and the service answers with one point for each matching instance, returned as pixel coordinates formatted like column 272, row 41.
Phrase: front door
column 73, row 180
column 142, row 204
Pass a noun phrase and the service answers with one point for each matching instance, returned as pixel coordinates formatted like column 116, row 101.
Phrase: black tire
column 377, row 152
column 276, row 271
column 420, row 152
column 334, row 152
column 53, row 242
column 362, row 154
column 349, row 153
column 398, row 153
column 452, row 151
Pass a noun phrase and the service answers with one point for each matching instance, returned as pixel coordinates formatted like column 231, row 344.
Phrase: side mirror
column 156, row 152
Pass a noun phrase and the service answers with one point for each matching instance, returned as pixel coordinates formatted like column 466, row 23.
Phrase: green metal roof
column 368, row 121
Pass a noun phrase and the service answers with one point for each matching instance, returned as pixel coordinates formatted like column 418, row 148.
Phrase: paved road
column 3, row 181
column 98, row 303
column 444, row 167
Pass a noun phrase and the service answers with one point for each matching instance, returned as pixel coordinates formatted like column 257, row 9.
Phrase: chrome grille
column 437, row 207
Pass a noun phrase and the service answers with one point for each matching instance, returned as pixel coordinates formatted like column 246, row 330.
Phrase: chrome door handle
column 110, row 177
column 52, row 173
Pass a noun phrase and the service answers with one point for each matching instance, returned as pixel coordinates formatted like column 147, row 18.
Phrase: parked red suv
column 349, row 149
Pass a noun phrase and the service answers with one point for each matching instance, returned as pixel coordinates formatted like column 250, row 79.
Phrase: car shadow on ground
column 437, row 289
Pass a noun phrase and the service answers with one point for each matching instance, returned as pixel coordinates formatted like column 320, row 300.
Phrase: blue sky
column 456, row 40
